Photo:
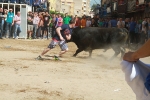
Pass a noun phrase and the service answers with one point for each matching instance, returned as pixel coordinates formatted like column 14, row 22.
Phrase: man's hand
column 61, row 38
column 129, row 57
column 68, row 37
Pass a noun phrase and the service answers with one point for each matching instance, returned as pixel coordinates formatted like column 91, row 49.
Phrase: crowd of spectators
column 43, row 25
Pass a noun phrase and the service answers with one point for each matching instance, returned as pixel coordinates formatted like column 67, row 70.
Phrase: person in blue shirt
column 132, row 35
column 63, row 33
column 113, row 22
column 9, row 23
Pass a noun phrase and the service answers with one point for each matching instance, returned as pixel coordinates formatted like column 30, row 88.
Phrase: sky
column 93, row 2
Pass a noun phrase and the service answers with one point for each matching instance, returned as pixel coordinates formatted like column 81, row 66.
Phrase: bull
column 90, row 38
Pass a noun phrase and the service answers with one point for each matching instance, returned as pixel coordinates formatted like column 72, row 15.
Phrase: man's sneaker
column 39, row 58
column 56, row 57
column 16, row 37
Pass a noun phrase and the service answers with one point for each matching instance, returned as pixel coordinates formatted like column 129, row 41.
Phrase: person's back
column 113, row 23
column 83, row 22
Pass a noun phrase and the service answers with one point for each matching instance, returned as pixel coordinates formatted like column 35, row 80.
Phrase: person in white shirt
column 36, row 21
column 88, row 22
column 144, row 29
column 120, row 23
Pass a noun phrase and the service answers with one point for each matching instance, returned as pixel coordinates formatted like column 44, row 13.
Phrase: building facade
column 72, row 7
column 82, row 7
column 52, row 5
column 125, row 8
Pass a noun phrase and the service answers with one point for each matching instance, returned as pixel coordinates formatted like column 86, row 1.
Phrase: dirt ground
column 74, row 78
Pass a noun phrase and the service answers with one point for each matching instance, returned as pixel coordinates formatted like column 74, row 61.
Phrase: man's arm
column 144, row 51
column 59, row 34
column 68, row 37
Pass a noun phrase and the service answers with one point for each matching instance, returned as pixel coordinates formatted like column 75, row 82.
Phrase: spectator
column 83, row 22
column 132, row 31
column 137, row 32
column 9, row 23
column 93, row 23
column 120, row 23
column 127, row 23
column 17, row 22
column 113, row 22
column 46, row 25
column 35, row 24
column 144, row 29
column 100, row 22
column 148, row 28
column 30, row 24
column 96, row 18
column 88, row 22
column 66, row 19
column 53, row 24
column 60, row 21
column 5, row 18
column 40, row 26
column 78, row 22
column 1, row 22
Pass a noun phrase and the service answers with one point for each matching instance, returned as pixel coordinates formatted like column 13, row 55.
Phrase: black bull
column 91, row 38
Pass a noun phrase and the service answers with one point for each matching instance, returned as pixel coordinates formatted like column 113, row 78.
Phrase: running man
column 63, row 34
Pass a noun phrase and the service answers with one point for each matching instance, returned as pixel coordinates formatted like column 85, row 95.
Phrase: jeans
column 1, row 30
column 17, row 30
column 8, row 29
column 35, row 27
column 148, row 34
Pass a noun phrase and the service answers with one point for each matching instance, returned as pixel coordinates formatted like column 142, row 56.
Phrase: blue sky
column 93, row 2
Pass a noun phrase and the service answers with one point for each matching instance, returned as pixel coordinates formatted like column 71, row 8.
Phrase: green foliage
column 55, row 12
column 93, row 6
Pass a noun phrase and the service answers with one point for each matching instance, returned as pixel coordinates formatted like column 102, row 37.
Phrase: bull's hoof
column 74, row 56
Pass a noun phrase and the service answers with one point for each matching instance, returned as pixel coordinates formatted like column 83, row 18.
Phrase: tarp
column 135, row 76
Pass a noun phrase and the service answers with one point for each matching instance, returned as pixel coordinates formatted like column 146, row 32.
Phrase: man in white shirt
column 120, row 23
column 88, row 22
column 144, row 29
column 17, row 22
column 36, row 21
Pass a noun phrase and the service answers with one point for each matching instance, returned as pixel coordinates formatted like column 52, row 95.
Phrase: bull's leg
column 123, row 50
column 77, row 51
column 117, row 51
column 90, row 53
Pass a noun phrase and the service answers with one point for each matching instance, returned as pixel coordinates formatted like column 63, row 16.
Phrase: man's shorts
column 62, row 45
column 30, row 27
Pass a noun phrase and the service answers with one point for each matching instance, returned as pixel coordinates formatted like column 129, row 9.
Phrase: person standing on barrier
column 17, row 22
column 63, row 33
column 9, row 23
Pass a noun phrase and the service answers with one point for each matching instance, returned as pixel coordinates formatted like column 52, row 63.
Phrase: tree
column 94, row 6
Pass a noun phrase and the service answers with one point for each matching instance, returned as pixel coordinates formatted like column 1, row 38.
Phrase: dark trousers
column 132, row 37
column 53, row 31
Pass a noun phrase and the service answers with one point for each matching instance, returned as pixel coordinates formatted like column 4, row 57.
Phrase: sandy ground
column 81, row 78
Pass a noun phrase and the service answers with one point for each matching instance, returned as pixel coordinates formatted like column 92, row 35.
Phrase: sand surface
column 74, row 78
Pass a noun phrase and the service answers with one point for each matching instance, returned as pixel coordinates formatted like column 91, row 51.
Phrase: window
column 63, row 3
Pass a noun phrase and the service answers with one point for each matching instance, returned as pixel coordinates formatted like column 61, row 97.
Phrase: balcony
column 84, row 5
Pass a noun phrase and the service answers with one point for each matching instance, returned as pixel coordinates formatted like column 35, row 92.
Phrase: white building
column 73, row 7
